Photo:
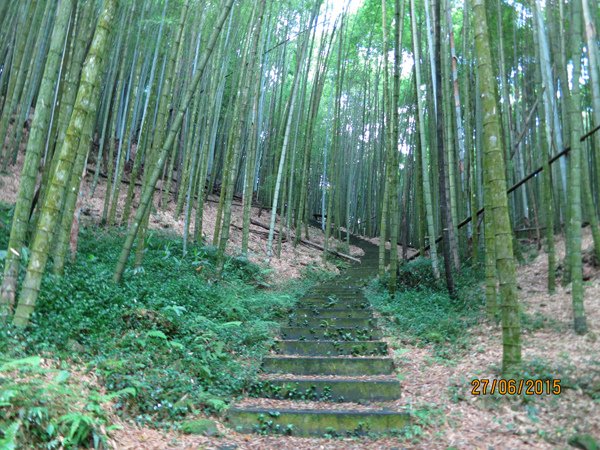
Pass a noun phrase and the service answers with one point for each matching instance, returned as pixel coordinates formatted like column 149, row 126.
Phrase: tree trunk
column 85, row 104
column 445, row 204
column 33, row 154
column 575, row 182
column 423, row 141
column 498, row 201
column 157, row 167
column 236, row 136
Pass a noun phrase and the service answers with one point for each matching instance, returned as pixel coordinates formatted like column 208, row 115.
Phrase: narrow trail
column 330, row 370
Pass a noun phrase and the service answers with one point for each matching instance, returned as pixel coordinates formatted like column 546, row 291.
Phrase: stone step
column 344, row 289
column 332, row 312
column 324, row 348
column 341, row 295
column 353, row 274
column 329, row 322
column 356, row 304
column 337, row 390
column 335, row 284
column 327, row 365
column 353, row 290
column 367, row 268
column 335, row 298
column 331, row 333
column 316, row 422
column 361, row 280
column 357, row 275
column 333, row 303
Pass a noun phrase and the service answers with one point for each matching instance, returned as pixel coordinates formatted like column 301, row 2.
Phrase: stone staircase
column 330, row 373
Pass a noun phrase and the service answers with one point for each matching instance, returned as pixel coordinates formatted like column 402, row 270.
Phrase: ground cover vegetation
column 421, row 312
column 170, row 341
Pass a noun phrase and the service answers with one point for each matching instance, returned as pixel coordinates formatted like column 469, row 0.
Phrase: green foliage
column 418, row 274
column 584, row 441
column 46, row 408
column 6, row 213
column 538, row 369
column 422, row 313
column 266, row 425
column 290, row 391
column 343, row 334
column 183, row 340
column 200, row 426
column 313, row 274
column 534, row 322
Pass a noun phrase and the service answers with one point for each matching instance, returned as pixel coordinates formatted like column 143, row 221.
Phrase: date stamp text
column 509, row 386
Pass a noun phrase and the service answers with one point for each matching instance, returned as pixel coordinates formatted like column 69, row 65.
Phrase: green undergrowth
column 290, row 391
column 422, row 313
column 177, row 339
column 51, row 407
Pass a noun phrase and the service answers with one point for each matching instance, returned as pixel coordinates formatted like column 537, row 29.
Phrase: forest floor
column 551, row 350
column 436, row 382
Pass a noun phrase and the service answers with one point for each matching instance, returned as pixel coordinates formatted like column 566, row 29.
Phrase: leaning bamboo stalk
column 33, row 154
column 85, row 104
column 173, row 130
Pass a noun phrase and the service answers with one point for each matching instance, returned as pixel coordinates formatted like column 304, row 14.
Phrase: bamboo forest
column 299, row 224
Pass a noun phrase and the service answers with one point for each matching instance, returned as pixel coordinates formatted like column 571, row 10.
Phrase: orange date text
column 509, row 386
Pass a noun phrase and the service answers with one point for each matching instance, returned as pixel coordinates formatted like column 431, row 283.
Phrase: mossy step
column 356, row 275
column 330, row 294
column 358, row 271
column 324, row 322
column 335, row 298
column 336, row 287
column 324, row 348
column 307, row 422
column 340, row 295
column 331, row 333
column 335, row 284
column 368, row 266
column 324, row 365
column 344, row 288
column 336, row 290
column 361, row 280
column 345, row 390
column 363, row 313
column 333, row 303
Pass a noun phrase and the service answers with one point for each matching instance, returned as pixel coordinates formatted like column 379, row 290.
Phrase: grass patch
column 422, row 313
column 179, row 341
column 535, row 322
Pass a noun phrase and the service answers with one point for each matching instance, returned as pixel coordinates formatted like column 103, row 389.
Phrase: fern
column 9, row 441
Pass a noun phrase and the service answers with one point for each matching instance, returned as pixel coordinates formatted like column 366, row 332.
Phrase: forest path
column 330, row 373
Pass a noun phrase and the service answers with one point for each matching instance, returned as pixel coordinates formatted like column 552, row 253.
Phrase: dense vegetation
column 421, row 312
column 170, row 341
